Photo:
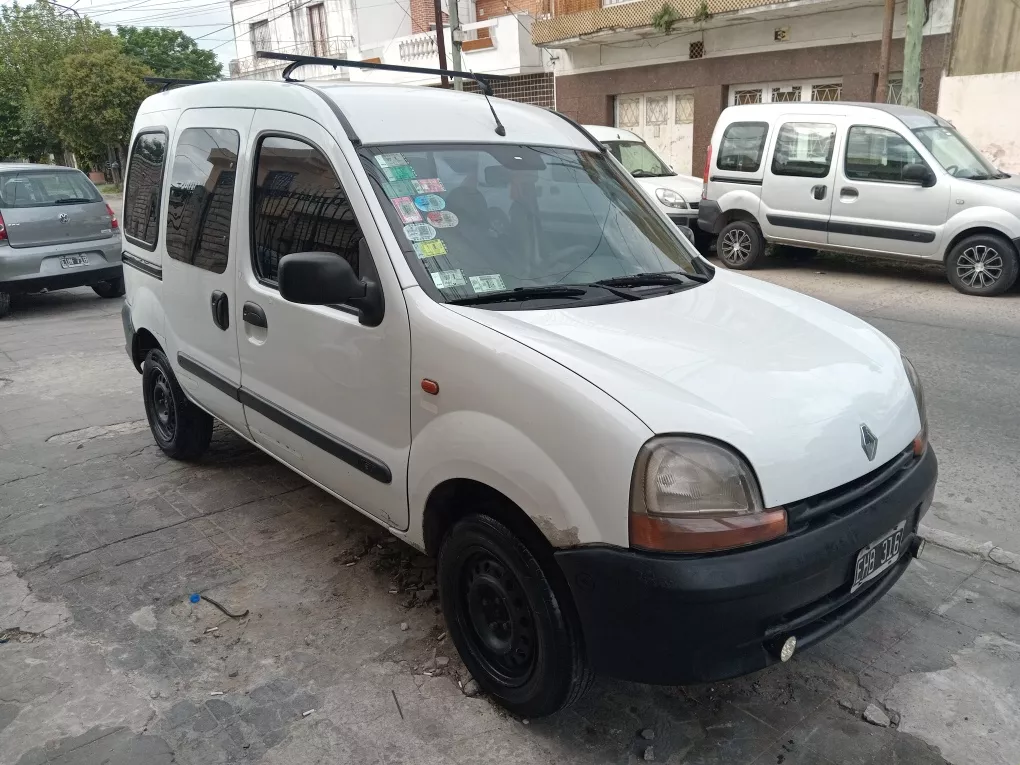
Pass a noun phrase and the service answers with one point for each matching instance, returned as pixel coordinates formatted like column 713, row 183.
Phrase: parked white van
column 867, row 179
column 624, row 460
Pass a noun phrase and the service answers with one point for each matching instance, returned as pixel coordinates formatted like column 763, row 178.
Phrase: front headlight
column 921, row 441
column 671, row 199
column 692, row 495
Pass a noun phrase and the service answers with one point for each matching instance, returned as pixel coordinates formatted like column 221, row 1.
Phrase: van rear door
column 52, row 206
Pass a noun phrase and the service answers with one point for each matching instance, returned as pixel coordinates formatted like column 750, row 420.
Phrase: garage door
column 665, row 120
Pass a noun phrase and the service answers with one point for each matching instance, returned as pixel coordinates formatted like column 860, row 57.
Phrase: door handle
column 253, row 314
column 220, row 309
column 818, row 192
column 848, row 191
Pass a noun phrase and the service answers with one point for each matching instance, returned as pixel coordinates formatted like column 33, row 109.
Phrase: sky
column 207, row 21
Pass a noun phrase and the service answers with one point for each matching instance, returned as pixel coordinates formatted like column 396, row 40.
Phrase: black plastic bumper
column 63, row 281
column 673, row 619
column 710, row 217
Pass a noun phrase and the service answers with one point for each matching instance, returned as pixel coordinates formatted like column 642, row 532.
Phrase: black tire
column 511, row 618
column 740, row 245
column 180, row 428
column 983, row 264
column 114, row 288
column 5, row 304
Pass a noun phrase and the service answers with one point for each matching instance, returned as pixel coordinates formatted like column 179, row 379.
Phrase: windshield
column 44, row 188
column 491, row 218
column 639, row 159
column 958, row 157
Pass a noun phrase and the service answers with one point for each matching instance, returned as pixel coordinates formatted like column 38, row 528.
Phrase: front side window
column 46, row 188
column 143, row 190
column 639, row 160
column 804, row 149
column 201, row 200
column 955, row 154
column 481, row 219
column 878, row 154
column 742, row 146
column 299, row 205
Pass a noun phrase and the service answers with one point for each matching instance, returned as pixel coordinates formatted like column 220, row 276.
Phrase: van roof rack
column 297, row 61
column 170, row 82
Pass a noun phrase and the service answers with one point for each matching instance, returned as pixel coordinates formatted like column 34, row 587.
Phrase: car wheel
column 5, row 304
column 983, row 264
column 181, row 429
column 516, row 632
column 740, row 245
column 114, row 288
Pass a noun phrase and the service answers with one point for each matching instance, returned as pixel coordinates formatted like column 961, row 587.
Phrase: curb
column 984, row 550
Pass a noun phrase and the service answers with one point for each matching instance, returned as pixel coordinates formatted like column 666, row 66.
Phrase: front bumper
column 674, row 619
column 710, row 217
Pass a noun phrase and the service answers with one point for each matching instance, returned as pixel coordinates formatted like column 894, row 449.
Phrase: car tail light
column 114, row 224
column 708, row 166
column 3, row 230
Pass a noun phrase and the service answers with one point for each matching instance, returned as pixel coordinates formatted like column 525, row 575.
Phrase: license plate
column 878, row 556
column 74, row 261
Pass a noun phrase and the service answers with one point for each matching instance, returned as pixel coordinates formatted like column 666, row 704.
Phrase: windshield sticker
column 406, row 210
column 399, row 189
column 430, row 203
column 447, row 279
column 390, row 160
column 489, row 283
column 430, row 249
column 444, row 219
column 428, row 186
column 419, row 232
column 399, row 173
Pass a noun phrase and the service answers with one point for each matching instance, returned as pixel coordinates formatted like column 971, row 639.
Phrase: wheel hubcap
column 500, row 618
column 979, row 266
column 165, row 412
column 736, row 246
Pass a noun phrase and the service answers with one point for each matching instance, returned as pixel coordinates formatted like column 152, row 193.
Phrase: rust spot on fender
column 557, row 537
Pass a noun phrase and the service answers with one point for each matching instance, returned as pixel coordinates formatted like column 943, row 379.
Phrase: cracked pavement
column 103, row 658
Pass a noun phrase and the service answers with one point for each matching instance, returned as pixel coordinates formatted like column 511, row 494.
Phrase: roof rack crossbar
column 297, row 61
column 169, row 82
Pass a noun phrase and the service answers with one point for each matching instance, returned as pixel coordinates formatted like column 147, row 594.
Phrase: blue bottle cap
column 195, row 597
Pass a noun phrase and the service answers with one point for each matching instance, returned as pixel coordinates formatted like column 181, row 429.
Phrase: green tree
column 170, row 53
column 90, row 100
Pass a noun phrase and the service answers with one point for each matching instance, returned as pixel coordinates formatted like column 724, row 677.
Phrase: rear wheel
column 5, row 304
column 983, row 264
column 740, row 245
column 113, row 288
column 518, row 636
column 181, row 429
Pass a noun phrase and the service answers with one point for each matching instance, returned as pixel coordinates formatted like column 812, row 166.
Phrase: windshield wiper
column 523, row 293
column 72, row 201
column 664, row 278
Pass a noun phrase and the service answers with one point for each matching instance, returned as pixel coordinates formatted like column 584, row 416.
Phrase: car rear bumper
column 673, row 619
column 31, row 269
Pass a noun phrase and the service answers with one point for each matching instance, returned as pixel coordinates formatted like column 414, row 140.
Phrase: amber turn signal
column 705, row 534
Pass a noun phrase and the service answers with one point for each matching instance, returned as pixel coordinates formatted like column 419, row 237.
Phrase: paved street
column 104, row 659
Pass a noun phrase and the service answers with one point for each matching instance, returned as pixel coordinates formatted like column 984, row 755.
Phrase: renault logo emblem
column 869, row 442
column 63, row 217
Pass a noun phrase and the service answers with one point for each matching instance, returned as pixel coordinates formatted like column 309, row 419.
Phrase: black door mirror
column 325, row 278
column 919, row 174
column 688, row 232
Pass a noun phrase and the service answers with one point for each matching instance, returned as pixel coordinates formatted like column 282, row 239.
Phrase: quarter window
column 142, row 192
column 741, row 147
column 202, row 198
column 877, row 154
column 299, row 205
column 804, row 149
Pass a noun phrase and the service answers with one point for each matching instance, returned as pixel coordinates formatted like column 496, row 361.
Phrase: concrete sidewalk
column 102, row 539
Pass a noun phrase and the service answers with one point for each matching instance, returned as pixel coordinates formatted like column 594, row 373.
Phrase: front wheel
column 113, row 288
column 518, row 638
column 740, row 245
column 181, row 429
column 983, row 264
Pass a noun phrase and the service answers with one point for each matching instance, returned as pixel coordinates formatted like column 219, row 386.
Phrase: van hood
column 785, row 379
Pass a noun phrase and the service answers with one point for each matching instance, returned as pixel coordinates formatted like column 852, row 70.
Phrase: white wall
column 377, row 21
column 974, row 104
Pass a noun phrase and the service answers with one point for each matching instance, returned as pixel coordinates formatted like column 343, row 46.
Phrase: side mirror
column 688, row 232
column 324, row 278
column 919, row 174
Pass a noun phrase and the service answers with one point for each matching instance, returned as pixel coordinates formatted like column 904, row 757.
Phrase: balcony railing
column 253, row 68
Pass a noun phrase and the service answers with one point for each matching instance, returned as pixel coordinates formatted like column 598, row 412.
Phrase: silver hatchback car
column 55, row 232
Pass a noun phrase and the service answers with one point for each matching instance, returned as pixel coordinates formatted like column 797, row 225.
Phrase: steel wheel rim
column 736, row 246
column 980, row 266
column 498, row 619
column 163, row 409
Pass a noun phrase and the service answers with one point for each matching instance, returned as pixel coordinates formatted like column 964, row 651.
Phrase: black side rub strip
column 729, row 179
column 343, row 451
column 141, row 265
column 852, row 229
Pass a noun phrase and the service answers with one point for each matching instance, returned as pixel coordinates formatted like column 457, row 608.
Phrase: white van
column 867, row 179
column 624, row 460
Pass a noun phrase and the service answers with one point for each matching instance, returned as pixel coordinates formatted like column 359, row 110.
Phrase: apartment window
column 804, row 149
column 260, row 37
column 201, row 201
column 877, row 154
column 317, row 27
column 741, row 147
column 142, row 194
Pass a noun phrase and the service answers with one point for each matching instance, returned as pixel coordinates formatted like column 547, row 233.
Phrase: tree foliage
column 169, row 53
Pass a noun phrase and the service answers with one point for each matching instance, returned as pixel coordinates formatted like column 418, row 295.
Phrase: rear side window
column 202, row 197
column 804, row 149
column 46, row 188
column 143, row 189
column 298, row 205
column 742, row 146
column 877, row 154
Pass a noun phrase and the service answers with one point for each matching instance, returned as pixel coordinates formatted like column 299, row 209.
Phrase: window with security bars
column 629, row 112
column 786, row 95
column 684, row 109
column 656, row 110
column 894, row 93
column 832, row 91
column 752, row 96
column 260, row 37
column 696, row 49
column 317, row 28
